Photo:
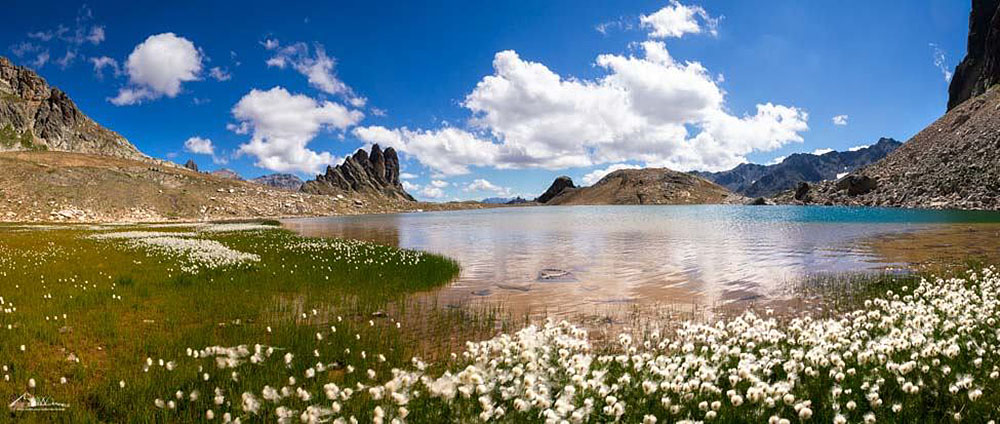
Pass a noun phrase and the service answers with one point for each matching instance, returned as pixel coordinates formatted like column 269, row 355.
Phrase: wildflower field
column 247, row 323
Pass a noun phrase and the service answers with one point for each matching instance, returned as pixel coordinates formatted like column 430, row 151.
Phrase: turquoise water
column 576, row 257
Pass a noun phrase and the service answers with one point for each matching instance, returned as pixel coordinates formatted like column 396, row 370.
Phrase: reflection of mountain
column 380, row 229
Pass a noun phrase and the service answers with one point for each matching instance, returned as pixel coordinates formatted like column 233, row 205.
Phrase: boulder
column 802, row 191
column 856, row 185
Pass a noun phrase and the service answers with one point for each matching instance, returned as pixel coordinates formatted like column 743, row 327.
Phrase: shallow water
column 580, row 258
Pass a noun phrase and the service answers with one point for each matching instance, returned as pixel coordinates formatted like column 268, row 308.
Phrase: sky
column 487, row 99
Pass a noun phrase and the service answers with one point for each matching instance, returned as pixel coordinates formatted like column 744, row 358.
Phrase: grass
column 322, row 331
column 123, row 305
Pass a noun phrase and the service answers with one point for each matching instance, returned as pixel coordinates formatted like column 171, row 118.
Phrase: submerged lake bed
column 570, row 260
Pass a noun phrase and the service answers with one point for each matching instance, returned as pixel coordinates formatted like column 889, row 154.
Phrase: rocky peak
column 558, row 186
column 282, row 181
column 191, row 165
column 980, row 68
column 35, row 116
column 375, row 174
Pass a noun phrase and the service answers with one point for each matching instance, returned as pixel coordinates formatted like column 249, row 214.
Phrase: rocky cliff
column 650, row 186
column 754, row 180
column 375, row 174
column 980, row 68
column 35, row 116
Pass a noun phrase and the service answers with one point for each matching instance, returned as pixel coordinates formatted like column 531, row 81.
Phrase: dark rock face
column 856, row 185
column 760, row 201
column 34, row 116
column 282, row 181
column 558, row 186
column 980, row 68
column 376, row 174
column 753, row 180
column 802, row 191
column 191, row 165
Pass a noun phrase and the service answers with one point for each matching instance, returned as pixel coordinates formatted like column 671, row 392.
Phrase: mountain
column 37, row 117
column 650, row 186
column 955, row 161
column 980, row 68
column 225, row 173
column 282, row 181
column 754, row 180
column 376, row 174
column 496, row 200
column 558, row 186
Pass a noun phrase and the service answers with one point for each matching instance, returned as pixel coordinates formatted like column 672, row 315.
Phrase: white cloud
column 282, row 124
column 407, row 176
column 408, row 186
column 219, row 74
column 840, row 120
column 316, row 66
column 480, row 185
column 157, row 67
column 777, row 160
column 439, row 184
column 856, row 148
column 677, row 19
column 594, row 176
column 105, row 62
column 940, row 61
column 819, row 152
column 198, row 145
column 449, row 151
column 432, row 192
column 647, row 108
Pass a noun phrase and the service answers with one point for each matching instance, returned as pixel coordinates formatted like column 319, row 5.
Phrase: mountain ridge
column 647, row 186
column 37, row 117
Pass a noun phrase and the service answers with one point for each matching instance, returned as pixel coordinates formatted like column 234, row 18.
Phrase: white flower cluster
column 132, row 235
column 229, row 228
column 922, row 354
column 358, row 252
column 195, row 254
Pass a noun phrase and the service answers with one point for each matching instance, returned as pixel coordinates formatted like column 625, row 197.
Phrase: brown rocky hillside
column 650, row 186
column 60, row 186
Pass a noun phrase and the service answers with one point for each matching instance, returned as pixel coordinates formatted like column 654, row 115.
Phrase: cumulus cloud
column 199, row 145
column 157, row 67
column 677, row 19
column 594, row 176
column 483, row 185
column 648, row 109
column 282, row 124
column 315, row 65
column 840, row 120
column 856, row 148
column 819, row 152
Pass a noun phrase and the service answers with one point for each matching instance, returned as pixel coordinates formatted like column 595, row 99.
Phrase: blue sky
column 497, row 98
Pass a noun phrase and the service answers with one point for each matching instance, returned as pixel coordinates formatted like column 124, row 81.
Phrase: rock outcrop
column 282, row 181
column 35, row 116
column 190, row 164
column 980, row 68
column 375, row 174
column 754, row 180
column 650, row 186
column 560, row 185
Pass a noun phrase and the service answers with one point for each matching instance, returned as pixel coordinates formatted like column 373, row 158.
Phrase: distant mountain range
column 753, row 180
column 282, row 181
column 504, row 200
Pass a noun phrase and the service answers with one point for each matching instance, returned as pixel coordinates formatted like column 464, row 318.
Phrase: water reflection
column 637, row 254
